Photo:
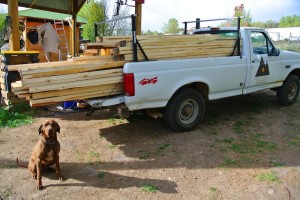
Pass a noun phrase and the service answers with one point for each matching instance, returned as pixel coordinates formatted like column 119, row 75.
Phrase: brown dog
column 45, row 152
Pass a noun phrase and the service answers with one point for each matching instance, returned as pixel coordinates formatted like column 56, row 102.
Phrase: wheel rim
column 292, row 91
column 188, row 111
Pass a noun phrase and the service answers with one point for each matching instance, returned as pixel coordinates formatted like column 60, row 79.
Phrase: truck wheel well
column 199, row 86
column 295, row 72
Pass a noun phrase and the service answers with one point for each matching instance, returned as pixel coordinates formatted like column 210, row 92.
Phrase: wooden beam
column 74, row 43
column 138, row 12
column 14, row 41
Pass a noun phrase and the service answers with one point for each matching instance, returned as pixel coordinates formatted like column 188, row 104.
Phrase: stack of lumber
column 163, row 47
column 79, row 78
column 179, row 47
column 6, row 96
column 104, row 46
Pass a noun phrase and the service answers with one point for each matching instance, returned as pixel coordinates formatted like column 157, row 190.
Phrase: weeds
column 149, row 188
column 239, row 126
column 271, row 176
column 112, row 146
column 15, row 116
column 159, row 152
column 101, row 175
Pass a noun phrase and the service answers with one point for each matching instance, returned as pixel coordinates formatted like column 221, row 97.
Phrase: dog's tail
column 21, row 164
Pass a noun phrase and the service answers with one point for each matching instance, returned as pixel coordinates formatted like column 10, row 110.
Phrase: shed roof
column 61, row 6
column 42, row 14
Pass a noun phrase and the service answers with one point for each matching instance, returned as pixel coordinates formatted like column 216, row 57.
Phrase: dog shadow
column 89, row 175
column 108, row 180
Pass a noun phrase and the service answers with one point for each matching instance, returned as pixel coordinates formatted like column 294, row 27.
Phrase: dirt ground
column 247, row 147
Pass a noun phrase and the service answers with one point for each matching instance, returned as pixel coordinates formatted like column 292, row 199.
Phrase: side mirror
column 274, row 52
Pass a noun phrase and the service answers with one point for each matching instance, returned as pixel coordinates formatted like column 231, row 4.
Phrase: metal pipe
column 134, row 41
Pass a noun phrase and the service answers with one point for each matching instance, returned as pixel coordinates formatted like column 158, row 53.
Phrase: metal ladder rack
column 63, row 51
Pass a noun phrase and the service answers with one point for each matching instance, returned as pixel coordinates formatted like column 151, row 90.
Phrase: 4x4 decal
column 146, row 81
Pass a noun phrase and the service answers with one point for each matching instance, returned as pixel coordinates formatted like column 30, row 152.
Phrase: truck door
column 266, row 67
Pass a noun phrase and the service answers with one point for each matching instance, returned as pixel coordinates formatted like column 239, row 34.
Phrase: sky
column 157, row 12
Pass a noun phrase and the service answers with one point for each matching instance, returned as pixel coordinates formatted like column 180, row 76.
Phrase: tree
column 172, row 27
column 93, row 11
column 150, row 33
column 289, row 21
column 267, row 24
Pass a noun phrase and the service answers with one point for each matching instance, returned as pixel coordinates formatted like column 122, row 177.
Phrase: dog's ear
column 41, row 129
column 57, row 127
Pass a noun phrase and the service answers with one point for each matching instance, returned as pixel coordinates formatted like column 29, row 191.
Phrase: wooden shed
column 32, row 18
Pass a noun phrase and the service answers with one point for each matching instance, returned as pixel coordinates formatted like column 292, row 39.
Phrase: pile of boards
column 99, row 72
column 79, row 78
column 164, row 47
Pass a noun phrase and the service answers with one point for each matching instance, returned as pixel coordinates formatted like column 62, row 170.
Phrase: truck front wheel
column 287, row 94
column 185, row 110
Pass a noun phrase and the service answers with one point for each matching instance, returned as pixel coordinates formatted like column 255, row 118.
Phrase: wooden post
column 74, row 37
column 73, row 34
column 14, row 41
column 138, row 12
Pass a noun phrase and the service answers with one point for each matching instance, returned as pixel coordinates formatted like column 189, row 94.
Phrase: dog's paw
column 61, row 178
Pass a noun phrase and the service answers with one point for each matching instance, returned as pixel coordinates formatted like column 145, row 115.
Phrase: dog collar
column 47, row 141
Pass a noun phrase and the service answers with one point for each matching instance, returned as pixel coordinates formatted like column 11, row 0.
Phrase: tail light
column 129, row 84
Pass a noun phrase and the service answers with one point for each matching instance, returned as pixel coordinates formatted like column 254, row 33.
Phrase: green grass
column 15, row 116
column 7, row 193
column 112, row 146
column 229, row 163
column 101, row 175
column 239, row 127
column 157, row 153
column 149, row 188
column 271, row 177
column 247, row 145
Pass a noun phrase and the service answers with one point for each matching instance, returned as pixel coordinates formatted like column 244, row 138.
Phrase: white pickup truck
column 180, row 87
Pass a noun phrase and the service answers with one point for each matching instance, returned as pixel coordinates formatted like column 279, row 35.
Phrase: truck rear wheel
column 185, row 110
column 287, row 94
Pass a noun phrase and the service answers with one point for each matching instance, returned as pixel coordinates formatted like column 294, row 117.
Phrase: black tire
column 185, row 110
column 288, row 93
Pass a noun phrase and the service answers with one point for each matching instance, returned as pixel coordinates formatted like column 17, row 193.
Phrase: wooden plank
column 91, row 58
column 74, row 77
column 37, row 73
column 99, row 45
column 54, row 93
column 77, row 96
column 85, row 83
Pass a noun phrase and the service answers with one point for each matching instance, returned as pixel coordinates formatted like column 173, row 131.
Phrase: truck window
column 260, row 43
